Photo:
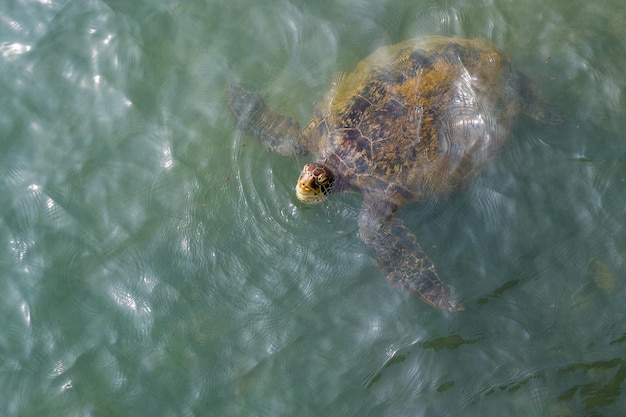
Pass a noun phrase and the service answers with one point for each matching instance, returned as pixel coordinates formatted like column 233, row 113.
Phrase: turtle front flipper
column 276, row 132
column 398, row 255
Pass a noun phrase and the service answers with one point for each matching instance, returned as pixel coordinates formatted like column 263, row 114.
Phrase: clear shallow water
column 155, row 262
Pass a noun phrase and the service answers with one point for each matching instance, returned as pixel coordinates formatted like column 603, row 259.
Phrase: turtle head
column 315, row 183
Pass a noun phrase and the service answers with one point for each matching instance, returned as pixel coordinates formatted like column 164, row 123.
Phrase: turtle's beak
column 306, row 193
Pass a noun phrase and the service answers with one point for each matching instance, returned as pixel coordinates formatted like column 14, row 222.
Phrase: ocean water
column 154, row 261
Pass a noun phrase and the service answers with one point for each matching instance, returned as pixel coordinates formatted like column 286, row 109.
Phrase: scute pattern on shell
column 424, row 117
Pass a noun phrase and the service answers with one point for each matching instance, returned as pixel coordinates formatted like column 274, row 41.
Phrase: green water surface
column 155, row 262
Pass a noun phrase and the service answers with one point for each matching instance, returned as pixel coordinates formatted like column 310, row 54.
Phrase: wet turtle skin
column 413, row 121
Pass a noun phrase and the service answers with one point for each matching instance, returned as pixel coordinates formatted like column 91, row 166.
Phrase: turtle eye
column 326, row 185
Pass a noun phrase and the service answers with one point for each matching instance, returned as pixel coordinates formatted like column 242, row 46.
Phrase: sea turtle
column 413, row 121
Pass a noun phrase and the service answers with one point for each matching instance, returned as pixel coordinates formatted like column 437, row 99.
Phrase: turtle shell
column 418, row 119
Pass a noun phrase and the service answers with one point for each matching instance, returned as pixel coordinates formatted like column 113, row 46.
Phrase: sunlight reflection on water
column 155, row 256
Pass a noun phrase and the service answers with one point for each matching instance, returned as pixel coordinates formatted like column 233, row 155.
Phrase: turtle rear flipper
column 397, row 254
column 276, row 132
column 533, row 105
